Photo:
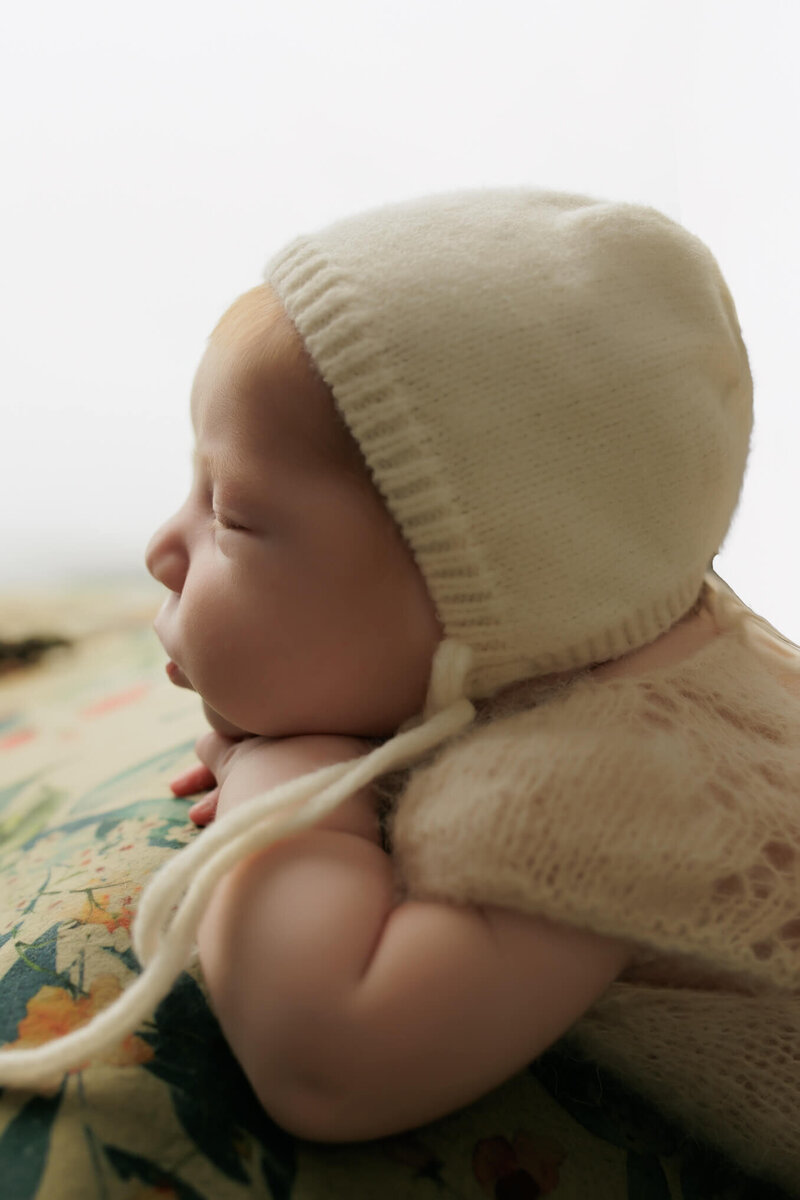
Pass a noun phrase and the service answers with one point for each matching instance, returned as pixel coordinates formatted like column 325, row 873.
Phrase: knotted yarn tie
column 174, row 901
column 449, row 670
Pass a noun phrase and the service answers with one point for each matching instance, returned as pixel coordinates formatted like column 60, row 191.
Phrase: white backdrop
column 155, row 156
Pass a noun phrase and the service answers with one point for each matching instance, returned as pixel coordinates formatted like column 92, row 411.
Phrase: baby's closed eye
column 223, row 522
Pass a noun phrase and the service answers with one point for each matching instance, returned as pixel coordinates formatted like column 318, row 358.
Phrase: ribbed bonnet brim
column 552, row 395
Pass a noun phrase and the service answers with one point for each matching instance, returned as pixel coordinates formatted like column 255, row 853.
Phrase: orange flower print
column 95, row 911
column 116, row 700
column 10, row 741
column 54, row 1012
column 527, row 1168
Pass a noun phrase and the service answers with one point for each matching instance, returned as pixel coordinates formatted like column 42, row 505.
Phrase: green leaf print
column 35, row 968
column 19, row 828
column 603, row 1105
column 646, row 1178
column 706, row 1175
column 12, row 790
column 25, row 1145
column 133, row 1166
column 98, row 796
column 212, row 1097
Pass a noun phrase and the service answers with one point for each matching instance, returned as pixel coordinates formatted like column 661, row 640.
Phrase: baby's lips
column 177, row 676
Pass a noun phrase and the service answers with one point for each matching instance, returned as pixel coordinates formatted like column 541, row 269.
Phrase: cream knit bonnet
column 553, row 396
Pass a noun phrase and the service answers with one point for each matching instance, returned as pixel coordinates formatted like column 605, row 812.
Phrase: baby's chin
column 223, row 726
column 215, row 720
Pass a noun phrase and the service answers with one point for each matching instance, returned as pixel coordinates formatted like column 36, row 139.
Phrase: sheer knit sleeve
column 661, row 809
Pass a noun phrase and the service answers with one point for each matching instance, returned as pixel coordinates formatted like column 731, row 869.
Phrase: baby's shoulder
column 688, row 700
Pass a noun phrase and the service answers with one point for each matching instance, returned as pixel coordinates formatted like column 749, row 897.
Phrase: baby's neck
column 681, row 641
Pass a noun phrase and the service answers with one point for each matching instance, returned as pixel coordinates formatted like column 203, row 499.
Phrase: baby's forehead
column 274, row 400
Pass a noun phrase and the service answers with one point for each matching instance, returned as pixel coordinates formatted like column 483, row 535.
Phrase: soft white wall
column 740, row 192
column 154, row 157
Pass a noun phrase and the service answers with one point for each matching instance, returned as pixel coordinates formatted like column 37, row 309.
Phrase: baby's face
column 294, row 604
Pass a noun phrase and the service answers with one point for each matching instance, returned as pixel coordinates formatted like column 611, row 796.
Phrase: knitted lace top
column 665, row 809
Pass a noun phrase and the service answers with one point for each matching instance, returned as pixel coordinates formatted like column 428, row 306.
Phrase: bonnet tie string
column 176, row 897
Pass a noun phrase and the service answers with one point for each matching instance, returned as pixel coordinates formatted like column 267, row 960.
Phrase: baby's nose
column 152, row 553
column 165, row 558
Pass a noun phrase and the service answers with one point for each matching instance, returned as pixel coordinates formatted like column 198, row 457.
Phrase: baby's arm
column 355, row 1018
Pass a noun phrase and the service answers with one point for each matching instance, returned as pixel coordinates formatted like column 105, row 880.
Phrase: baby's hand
column 215, row 753
column 259, row 763
column 219, row 754
column 201, row 778
column 198, row 779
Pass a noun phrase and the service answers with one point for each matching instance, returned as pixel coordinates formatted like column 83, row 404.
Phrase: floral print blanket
column 91, row 732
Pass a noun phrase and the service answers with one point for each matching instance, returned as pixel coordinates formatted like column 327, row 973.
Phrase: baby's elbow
column 318, row 1108
column 309, row 1111
column 297, row 1092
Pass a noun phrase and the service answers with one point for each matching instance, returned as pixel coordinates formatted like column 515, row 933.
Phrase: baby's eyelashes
column 223, row 523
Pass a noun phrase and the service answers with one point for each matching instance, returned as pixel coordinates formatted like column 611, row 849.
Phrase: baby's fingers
column 204, row 811
column 196, row 779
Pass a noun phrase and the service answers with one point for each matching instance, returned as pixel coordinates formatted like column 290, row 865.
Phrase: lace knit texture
column 663, row 809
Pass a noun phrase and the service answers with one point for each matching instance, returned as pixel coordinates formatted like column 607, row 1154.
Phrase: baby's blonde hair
column 257, row 333
column 258, row 330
